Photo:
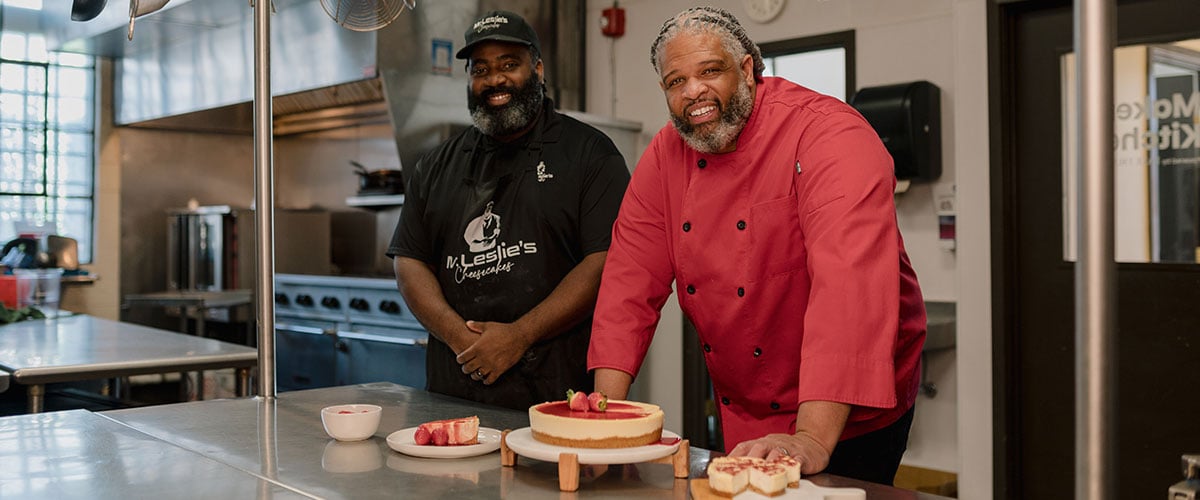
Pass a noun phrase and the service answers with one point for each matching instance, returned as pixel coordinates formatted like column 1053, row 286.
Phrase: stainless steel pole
column 264, row 200
column 1095, row 273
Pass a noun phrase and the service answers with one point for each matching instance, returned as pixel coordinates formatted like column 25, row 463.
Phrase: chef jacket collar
column 745, row 138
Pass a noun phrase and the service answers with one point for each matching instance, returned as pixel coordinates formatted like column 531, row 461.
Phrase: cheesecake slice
column 768, row 479
column 456, row 431
column 728, row 476
column 727, row 479
column 792, row 467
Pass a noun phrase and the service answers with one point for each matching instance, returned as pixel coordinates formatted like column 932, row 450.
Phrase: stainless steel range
column 334, row 330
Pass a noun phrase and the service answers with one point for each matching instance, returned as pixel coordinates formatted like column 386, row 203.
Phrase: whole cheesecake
column 623, row 424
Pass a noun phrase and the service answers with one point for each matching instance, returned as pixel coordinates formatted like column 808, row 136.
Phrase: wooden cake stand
column 569, row 466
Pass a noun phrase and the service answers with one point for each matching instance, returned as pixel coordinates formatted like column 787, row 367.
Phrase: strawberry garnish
column 577, row 401
column 597, row 401
column 422, row 436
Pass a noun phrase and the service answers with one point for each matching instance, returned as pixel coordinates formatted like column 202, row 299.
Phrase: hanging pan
column 86, row 10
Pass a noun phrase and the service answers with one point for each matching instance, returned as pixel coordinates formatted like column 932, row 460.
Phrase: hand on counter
column 819, row 424
column 499, row 347
column 812, row 456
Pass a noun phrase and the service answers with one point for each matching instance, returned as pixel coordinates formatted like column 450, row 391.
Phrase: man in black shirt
column 504, row 231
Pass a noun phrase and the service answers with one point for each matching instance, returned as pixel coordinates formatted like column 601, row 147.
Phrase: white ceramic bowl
column 351, row 422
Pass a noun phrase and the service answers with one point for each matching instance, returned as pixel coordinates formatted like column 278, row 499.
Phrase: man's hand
column 805, row 449
column 499, row 347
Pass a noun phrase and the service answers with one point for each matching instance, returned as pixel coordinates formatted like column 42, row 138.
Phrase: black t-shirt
column 501, row 224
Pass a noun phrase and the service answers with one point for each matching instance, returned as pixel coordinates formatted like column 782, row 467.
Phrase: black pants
column 873, row 456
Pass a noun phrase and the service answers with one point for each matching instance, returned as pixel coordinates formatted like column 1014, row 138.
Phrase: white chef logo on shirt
column 542, row 176
column 488, row 255
column 482, row 232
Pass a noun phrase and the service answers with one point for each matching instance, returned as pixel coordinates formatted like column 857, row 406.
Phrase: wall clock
column 763, row 11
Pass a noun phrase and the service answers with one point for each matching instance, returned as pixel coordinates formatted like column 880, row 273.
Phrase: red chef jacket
column 787, row 259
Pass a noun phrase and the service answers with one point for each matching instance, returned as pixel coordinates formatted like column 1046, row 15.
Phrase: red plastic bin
column 8, row 291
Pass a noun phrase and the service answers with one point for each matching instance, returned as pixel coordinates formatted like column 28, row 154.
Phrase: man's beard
column 513, row 116
column 725, row 130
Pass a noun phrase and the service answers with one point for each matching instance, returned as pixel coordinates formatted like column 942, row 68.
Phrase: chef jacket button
column 691, row 290
column 702, row 163
column 757, row 352
column 707, row 348
column 774, row 405
column 687, row 226
column 741, row 225
column 741, row 292
column 725, row 401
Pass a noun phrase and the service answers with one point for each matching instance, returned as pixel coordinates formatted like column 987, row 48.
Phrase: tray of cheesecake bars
column 749, row 478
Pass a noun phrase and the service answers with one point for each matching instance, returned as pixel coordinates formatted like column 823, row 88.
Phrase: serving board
column 806, row 491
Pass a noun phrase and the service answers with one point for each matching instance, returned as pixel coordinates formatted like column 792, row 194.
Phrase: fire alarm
column 612, row 21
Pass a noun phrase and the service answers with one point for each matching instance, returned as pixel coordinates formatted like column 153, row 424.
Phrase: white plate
column 402, row 441
column 522, row 442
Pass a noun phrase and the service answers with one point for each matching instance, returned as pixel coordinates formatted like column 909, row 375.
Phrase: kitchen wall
column 942, row 41
column 314, row 171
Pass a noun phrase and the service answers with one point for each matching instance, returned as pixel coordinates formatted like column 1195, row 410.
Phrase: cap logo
column 489, row 23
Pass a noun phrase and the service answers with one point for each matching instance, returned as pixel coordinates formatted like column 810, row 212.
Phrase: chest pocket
column 778, row 242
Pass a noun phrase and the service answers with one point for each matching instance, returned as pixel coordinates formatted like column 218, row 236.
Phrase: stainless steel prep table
column 200, row 300
column 79, row 454
column 82, row 347
column 287, row 440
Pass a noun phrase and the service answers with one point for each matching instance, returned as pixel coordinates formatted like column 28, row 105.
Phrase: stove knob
column 281, row 299
column 304, row 300
column 331, row 302
column 359, row 304
column 390, row 307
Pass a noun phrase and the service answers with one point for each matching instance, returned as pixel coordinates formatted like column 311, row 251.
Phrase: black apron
column 502, row 259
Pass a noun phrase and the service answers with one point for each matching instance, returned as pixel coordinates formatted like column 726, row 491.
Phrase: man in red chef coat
column 770, row 206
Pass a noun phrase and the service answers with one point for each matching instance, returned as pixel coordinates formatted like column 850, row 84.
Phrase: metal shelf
column 389, row 200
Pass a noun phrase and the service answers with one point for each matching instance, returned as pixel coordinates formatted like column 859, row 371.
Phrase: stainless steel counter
column 197, row 301
column 83, row 347
column 285, row 441
column 79, row 454
column 190, row 298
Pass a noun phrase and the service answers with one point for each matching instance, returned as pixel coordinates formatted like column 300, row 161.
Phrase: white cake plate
column 521, row 442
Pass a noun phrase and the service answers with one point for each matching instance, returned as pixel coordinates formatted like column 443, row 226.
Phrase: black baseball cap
column 500, row 26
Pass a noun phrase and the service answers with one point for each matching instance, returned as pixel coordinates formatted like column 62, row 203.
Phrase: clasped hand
column 498, row 347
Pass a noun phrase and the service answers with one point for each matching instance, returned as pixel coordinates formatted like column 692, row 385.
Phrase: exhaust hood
column 190, row 65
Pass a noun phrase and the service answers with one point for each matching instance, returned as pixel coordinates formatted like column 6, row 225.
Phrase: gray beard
column 725, row 131
column 511, row 118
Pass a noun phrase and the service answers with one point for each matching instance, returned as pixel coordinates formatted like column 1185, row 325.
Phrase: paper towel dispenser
column 907, row 117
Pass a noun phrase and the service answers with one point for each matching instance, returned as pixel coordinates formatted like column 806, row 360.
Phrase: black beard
column 726, row 129
column 512, row 117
